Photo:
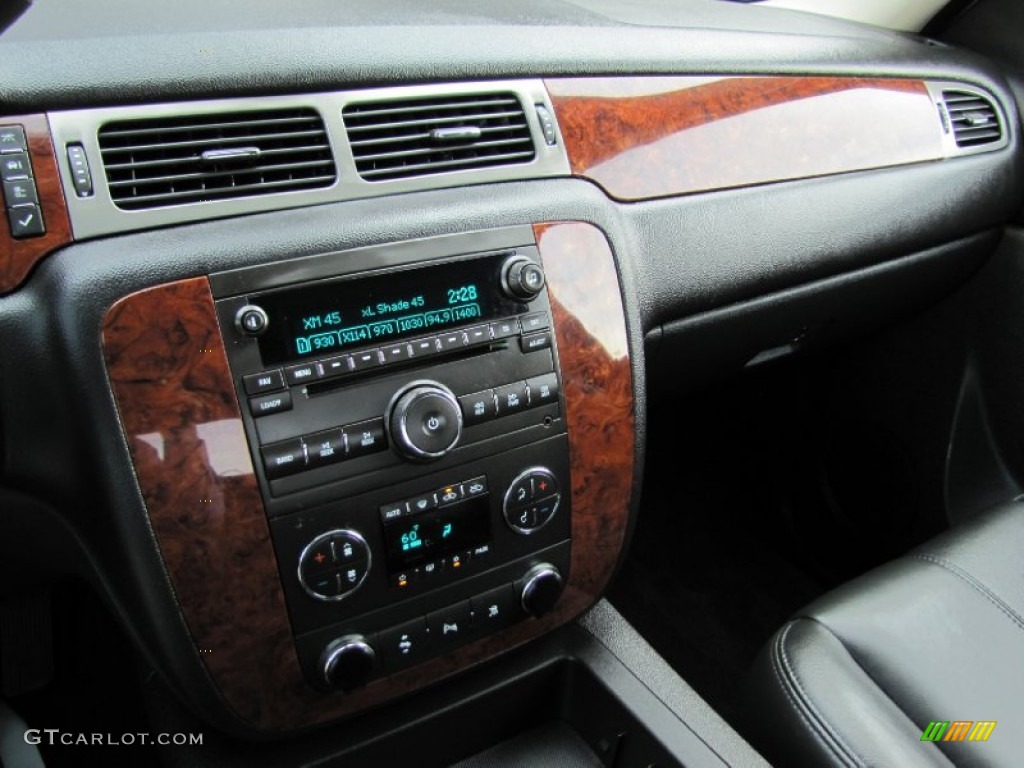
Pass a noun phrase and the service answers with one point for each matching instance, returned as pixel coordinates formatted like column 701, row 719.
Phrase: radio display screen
column 445, row 531
column 336, row 316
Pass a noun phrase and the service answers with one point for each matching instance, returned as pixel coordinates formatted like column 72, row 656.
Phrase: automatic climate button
column 425, row 421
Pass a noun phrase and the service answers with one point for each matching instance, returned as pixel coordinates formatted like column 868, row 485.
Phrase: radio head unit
column 404, row 411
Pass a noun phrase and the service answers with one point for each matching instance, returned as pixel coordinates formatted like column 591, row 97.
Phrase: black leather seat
column 938, row 635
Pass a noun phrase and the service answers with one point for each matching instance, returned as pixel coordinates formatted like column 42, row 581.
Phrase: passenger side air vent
column 164, row 161
column 418, row 137
column 972, row 117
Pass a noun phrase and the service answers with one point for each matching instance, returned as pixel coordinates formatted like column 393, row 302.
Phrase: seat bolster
column 810, row 700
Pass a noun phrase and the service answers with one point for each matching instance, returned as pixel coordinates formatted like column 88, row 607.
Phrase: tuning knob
column 425, row 421
column 348, row 662
column 521, row 278
column 542, row 586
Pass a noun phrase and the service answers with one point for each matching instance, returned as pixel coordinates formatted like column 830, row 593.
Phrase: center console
column 403, row 407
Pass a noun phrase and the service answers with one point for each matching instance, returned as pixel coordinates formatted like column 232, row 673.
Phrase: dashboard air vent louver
column 164, row 161
column 973, row 118
column 418, row 137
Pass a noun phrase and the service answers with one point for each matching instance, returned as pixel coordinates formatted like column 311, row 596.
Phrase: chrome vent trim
column 154, row 162
column 972, row 119
column 106, row 212
column 417, row 137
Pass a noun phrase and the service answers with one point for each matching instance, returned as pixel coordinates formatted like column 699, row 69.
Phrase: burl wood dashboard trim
column 646, row 137
column 18, row 257
column 169, row 373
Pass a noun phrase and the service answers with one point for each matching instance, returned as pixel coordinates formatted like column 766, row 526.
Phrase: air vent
column 418, row 137
column 165, row 161
column 973, row 118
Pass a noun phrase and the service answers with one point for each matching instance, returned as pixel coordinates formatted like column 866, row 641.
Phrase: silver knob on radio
column 424, row 421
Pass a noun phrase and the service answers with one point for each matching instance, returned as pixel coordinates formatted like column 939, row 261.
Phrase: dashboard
column 328, row 341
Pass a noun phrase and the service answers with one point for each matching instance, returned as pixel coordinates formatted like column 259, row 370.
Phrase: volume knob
column 521, row 278
column 425, row 421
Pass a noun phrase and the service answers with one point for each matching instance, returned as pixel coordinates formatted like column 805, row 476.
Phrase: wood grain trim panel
column 647, row 137
column 18, row 257
column 170, row 377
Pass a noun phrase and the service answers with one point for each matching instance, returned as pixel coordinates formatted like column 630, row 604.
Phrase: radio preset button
column 453, row 340
column 369, row 358
column 268, row 404
column 424, row 347
column 535, row 321
column 512, row 398
column 502, row 329
column 323, row 448
column 478, row 407
column 396, row 353
column 543, row 389
column 301, row 374
column 258, row 383
column 336, row 366
column 284, row 458
column 365, row 437
column 535, row 342
column 478, row 334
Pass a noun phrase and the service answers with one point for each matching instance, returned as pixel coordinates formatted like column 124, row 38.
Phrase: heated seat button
column 478, row 407
column 365, row 437
column 323, row 448
column 405, row 644
column 284, row 458
column 268, row 404
column 258, row 383
column 347, row 548
column 494, row 609
column 450, row 625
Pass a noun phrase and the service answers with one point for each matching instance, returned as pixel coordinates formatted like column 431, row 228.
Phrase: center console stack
column 404, row 412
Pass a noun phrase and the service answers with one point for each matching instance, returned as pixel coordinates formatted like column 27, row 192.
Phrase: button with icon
column 405, row 644
column 495, row 608
column 478, row 407
column 450, row 625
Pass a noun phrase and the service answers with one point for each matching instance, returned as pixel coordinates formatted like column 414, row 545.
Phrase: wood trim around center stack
column 169, row 373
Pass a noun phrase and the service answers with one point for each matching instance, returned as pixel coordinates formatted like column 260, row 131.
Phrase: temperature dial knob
column 425, row 421
column 541, row 587
column 521, row 279
column 348, row 662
